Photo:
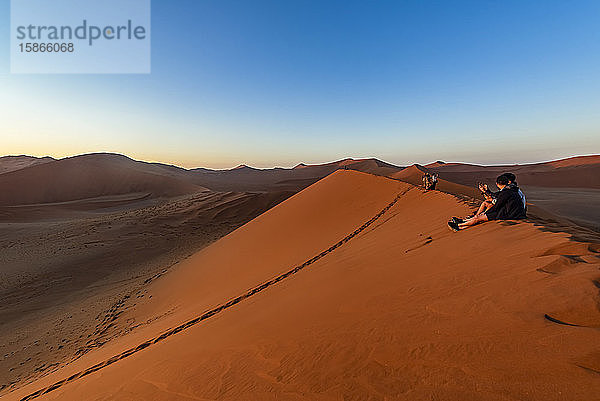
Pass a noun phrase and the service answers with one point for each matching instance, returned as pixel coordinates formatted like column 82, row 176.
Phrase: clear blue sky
column 280, row 82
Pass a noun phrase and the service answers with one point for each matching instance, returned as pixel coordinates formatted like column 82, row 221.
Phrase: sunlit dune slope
column 401, row 308
column 414, row 176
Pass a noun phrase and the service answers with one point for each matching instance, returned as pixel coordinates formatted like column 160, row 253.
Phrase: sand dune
column 414, row 175
column 340, row 292
column 13, row 163
column 79, row 235
column 107, row 174
column 88, row 176
column 244, row 178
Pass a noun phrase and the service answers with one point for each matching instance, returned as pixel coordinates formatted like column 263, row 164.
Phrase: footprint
column 427, row 241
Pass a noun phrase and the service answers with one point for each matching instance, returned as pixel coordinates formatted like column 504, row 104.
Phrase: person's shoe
column 453, row 226
column 457, row 220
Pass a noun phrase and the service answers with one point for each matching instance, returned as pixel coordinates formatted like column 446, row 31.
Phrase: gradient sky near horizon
column 275, row 83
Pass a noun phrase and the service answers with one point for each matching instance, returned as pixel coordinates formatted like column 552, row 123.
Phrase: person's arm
column 486, row 190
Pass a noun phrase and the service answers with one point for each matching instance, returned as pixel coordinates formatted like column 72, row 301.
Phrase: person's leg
column 474, row 220
column 484, row 207
column 481, row 209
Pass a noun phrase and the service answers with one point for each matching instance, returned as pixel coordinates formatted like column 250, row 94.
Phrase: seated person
column 490, row 197
column 508, row 206
column 512, row 181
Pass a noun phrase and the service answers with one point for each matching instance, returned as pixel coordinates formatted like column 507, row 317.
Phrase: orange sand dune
column 88, row 176
column 414, row 175
column 399, row 308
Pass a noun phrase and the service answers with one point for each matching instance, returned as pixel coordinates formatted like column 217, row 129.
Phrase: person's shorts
column 492, row 215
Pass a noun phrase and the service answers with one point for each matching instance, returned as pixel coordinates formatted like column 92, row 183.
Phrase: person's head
column 511, row 177
column 502, row 181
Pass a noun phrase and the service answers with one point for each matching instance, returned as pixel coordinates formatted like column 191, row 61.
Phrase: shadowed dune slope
column 13, row 163
column 63, row 280
column 89, row 176
column 403, row 309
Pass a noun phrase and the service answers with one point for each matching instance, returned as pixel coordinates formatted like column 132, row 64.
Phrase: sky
column 275, row 83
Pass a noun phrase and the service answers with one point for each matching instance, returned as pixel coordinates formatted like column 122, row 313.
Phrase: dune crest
column 13, row 163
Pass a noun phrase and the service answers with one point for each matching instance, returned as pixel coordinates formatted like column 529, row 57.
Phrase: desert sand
column 355, row 289
column 107, row 260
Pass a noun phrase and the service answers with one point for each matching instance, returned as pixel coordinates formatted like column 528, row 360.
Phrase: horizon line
column 172, row 164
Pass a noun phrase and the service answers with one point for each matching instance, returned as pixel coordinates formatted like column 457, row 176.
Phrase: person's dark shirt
column 509, row 205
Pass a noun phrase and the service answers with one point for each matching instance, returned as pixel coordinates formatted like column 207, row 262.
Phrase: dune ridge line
column 216, row 309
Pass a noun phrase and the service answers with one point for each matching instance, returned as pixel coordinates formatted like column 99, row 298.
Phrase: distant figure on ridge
column 426, row 181
column 430, row 181
column 433, row 181
column 506, row 204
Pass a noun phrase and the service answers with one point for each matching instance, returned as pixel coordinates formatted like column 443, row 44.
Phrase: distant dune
column 414, row 175
column 88, row 176
column 12, row 163
column 355, row 289
column 106, row 174
column 244, row 178
column 577, row 172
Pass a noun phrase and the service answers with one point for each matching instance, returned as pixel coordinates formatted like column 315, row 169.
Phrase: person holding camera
column 506, row 204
